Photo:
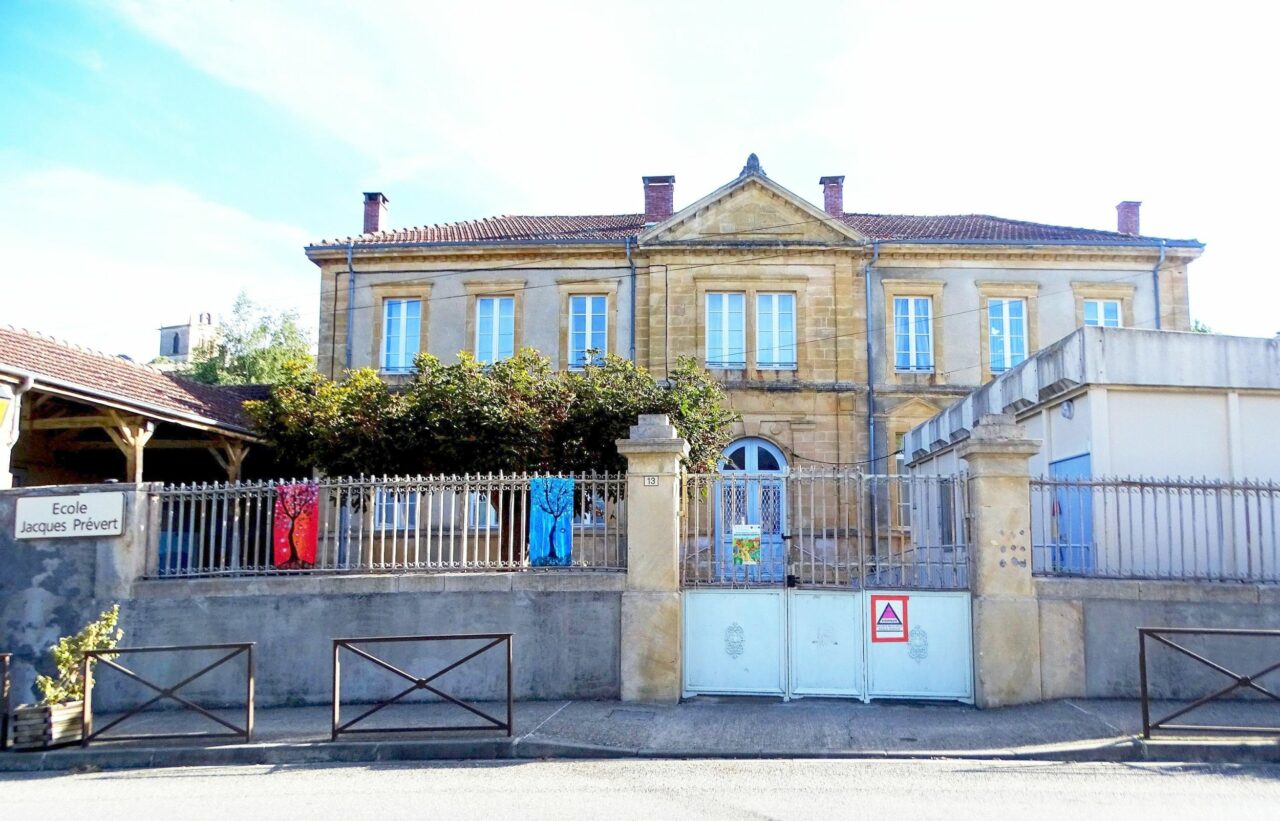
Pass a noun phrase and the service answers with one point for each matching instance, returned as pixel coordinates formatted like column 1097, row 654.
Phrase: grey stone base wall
column 566, row 635
column 1089, row 635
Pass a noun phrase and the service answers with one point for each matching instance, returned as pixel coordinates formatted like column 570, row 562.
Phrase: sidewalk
column 1075, row 730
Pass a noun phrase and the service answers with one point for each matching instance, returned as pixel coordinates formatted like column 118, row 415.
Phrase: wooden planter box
column 39, row 727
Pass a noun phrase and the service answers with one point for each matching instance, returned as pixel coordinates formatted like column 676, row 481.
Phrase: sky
column 158, row 157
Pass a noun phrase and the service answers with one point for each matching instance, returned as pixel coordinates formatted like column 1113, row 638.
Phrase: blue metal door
column 1072, row 517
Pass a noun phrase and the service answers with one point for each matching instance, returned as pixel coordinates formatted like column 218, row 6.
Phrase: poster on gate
column 889, row 619
column 746, row 544
column 293, row 532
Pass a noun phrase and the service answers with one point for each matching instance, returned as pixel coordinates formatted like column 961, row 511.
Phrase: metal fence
column 5, row 706
column 390, row 524
column 106, row 660
column 358, row 647
column 1247, row 684
column 831, row 529
column 1156, row 529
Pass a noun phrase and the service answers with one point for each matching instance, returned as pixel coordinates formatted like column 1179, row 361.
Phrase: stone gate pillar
column 1006, row 614
column 651, row 614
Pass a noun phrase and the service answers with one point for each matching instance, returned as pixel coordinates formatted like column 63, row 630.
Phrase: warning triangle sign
column 889, row 617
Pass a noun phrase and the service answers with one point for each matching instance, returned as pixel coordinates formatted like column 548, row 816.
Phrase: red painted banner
column 294, row 531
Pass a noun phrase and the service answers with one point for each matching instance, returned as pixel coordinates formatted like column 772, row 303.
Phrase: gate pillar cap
column 653, row 433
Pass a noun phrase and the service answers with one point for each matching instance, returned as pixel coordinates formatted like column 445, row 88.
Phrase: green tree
column 1199, row 327
column 253, row 347
column 515, row 415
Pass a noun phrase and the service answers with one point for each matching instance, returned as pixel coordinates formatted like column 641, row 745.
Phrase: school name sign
column 62, row 517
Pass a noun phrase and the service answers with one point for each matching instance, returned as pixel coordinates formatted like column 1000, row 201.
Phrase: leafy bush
column 100, row 634
column 518, row 414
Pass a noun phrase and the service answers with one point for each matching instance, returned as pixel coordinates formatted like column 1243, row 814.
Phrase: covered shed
column 72, row 415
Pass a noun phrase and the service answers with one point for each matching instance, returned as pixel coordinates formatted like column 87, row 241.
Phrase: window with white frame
column 495, row 328
column 401, row 328
column 913, row 334
column 776, row 330
column 481, row 513
column 1104, row 312
column 589, row 510
column 588, row 328
column 395, row 509
column 1006, row 332
column 902, row 507
column 726, row 330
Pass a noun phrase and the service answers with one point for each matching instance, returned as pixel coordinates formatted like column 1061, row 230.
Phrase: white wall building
column 1159, row 451
column 1131, row 403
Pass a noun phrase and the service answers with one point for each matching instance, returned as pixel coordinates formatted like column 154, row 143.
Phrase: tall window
column 1104, row 312
column 481, row 513
column 401, row 326
column 1006, row 332
column 913, row 333
column 775, row 330
column 902, row 505
column 587, row 328
column 495, row 328
column 395, row 510
column 726, row 334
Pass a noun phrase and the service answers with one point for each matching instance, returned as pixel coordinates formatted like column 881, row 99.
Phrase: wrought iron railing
column 107, row 659
column 424, row 684
column 824, row 528
column 5, row 705
column 1148, row 528
column 1250, row 683
column 391, row 524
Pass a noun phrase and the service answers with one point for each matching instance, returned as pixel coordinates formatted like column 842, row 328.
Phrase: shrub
column 100, row 634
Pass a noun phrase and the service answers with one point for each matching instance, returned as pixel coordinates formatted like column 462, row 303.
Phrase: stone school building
column 833, row 331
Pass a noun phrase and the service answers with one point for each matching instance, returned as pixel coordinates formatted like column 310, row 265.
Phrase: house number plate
column 651, row 481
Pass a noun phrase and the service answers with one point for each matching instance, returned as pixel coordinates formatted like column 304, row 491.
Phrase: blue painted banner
column 551, row 522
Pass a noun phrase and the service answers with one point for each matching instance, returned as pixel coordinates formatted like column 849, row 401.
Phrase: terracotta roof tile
column 606, row 227
column 100, row 373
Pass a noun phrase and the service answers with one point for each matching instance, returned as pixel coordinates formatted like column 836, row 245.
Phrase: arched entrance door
column 753, row 493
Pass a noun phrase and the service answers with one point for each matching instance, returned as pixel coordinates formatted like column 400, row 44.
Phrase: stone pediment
column 751, row 210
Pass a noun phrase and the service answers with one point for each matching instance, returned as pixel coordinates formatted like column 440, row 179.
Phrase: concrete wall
column 1089, row 635
column 566, row 625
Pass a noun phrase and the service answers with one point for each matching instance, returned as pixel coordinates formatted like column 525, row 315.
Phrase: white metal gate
column 868, row 598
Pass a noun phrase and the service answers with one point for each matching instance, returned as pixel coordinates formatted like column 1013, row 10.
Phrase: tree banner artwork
column 294, row 529
column 551, row 522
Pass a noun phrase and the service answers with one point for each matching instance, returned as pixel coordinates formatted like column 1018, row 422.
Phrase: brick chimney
column 375, row 211
column 659, row 198
column 833, row 195
column 1127, row 217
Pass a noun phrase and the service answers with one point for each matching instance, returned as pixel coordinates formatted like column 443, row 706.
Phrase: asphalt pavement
column 648, row 789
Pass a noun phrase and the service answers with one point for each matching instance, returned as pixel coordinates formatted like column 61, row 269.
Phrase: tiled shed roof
column 94, row 374
column 607, row 227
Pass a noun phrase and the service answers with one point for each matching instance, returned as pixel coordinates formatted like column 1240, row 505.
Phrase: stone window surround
column 931, row 288
column 899, row 422
column 570, row 287
column 392, row 290
column 749, row 286
column 513, row 288
column 1118, row 291
column 999, row 289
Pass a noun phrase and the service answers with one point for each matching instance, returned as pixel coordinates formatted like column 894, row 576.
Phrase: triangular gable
column 751, row 209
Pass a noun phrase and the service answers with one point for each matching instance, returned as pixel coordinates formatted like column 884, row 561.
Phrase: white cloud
column 104, row 262
column 1033, row 111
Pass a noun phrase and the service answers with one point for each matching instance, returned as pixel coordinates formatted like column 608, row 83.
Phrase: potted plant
column 59, row 717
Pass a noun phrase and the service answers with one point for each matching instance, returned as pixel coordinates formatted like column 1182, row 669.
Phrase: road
column 618, row 790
